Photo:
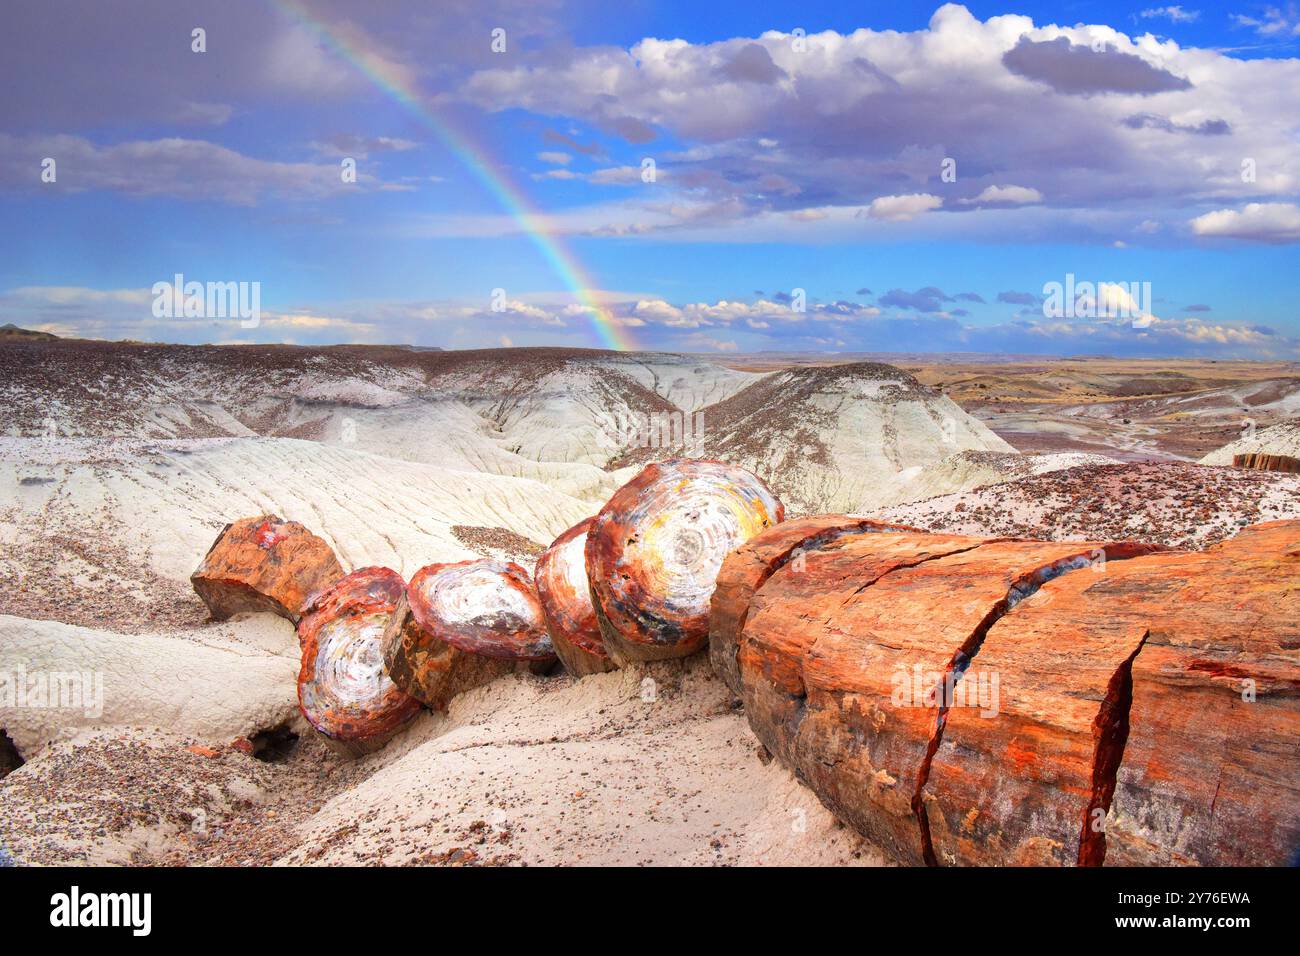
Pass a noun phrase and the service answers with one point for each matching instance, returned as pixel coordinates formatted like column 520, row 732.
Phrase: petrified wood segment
column 461, row 625
column 786, row 617
column 1211, row 769
column 264, row 564
column 1266, row 462
column 1015, row 786
column 846, row 677
column 562, row 587
column 1122, row 736
column 747, row 568
column 342, row 688
column 654, row 551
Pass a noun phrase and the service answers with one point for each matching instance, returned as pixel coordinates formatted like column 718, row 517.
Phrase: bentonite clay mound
column 748, row 567
column 655, row 549
column 264, row 564
column 562, row 587
column 975, row 701
column 464, row 624
column 342, row 688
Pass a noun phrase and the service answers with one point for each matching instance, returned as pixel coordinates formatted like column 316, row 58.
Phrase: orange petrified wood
column 1149, row 715
column 562, row 587
column 342, row 688
column 464, row 624
column 264, row 564
column 747, row 569
column 1211, row 769
column 850, row 666
column 654, row 551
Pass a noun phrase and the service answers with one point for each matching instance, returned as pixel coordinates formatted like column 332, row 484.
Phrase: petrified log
column 264, row 564
column 1122, row 735
column 342, row 688
column 849, row 666
column 464, row 624
column 1211, row 770
column 747, row 569
column 654, row 551
column 1266, row 462
column 561, row 579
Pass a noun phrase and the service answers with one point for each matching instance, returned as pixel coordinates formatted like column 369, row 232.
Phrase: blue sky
column 922, row 172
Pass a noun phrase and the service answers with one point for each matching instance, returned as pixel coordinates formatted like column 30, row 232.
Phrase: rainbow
column 475, row 159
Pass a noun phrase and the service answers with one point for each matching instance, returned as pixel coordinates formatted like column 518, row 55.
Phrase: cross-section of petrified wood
column 562, row 587
column 747, row 568
column 264, row 564
column 464, row 624
column 342, row 688
column 848, row 666
column 654, row 551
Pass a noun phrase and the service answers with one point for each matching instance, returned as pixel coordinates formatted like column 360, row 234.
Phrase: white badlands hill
column 1280, row 439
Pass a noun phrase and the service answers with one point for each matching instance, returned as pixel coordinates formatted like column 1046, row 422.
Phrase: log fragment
column 264, row 564
column 1263, row 461
column 1211, row 770
column 654, row 551
column 342, row 688
column 849, row 668
column 747, row 569
column 1124, row 736
column 562, row 587
column 464, row 624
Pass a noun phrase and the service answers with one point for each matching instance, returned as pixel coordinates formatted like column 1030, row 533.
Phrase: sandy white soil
column 651, row 766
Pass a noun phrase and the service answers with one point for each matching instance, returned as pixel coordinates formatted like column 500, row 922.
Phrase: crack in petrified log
column 1110, row 730
column 342, row 688
column 852, row 648
column 748, row 567
column 1026, row 586
column 1209, row 774
column 464, row 624
column 563, row 589
column 788, row 614
column 654, row 551
column 264, row 564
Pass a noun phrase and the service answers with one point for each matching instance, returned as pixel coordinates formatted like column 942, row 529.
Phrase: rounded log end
column 654, row 551
column 562, row 588
column 343, row 690
column 485, row 607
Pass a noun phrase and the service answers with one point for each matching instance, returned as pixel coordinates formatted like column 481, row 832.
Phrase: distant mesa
column 11, row 331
